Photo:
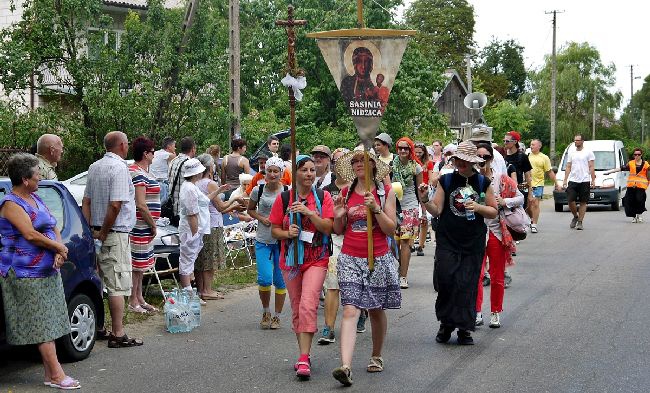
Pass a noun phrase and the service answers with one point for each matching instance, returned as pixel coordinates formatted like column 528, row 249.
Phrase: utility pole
column 234, row 50
column 642, row 126
column 468, row 59
column 593, row 126
column 553, row 82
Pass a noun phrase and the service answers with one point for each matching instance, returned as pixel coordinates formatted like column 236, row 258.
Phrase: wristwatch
column 378, row 211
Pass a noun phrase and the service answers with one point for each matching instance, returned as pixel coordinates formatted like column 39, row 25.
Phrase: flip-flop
column 137, row 309
column 218, row 296
column 149, row 307
column 67, row 384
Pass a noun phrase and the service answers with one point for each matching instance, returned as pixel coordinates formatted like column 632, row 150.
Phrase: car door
column 622, row 176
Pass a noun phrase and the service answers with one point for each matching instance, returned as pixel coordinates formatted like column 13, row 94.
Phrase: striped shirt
column 142, row 236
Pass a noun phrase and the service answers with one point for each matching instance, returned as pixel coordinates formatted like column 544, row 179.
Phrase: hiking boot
column 361, row 323
column 275, row 322
column 403, row 283
column 266, row 320
column 327, row 337
column 479, row 319
column 574, row 222
column 495, row 320
column 420, row 251
column 579, row 225
column 465, row 338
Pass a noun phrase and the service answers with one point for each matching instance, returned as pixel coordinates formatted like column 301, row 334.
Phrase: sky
column 614, row 28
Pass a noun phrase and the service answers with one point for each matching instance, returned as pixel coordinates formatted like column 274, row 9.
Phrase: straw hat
column 344, row 170
column 466, row 151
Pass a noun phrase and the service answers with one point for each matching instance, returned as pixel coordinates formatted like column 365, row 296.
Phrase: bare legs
column 136, row 297
column 579, row 212
column 404, row 257
column 424, row 228
column 53, row 370
column 116, row 306
column 331, row 307
column 534, row 209
column 379, row 324
column 265, row 298
column 304, row 341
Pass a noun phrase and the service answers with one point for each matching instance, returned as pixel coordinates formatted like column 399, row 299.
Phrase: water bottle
column 469, row 214
column 195, row 306
column 170, row 309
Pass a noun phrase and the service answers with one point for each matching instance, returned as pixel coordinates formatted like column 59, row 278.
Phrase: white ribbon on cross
column 297, row 84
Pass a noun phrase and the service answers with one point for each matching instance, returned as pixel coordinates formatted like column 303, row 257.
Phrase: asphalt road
column 575, row 320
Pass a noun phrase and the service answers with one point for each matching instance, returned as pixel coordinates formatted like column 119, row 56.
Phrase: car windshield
column 604, row 160
column 81, row 181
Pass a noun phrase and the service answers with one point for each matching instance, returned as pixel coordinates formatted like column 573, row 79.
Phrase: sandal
column 66, row 384
column 103, row 334
column 303, row 370
column 376, row 365
column 343, row 374
column 149, row 307
column 137, row 309
column 123, row 342
column 215, row 296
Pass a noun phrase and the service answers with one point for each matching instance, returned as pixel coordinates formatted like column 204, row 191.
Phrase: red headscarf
column 412, row 146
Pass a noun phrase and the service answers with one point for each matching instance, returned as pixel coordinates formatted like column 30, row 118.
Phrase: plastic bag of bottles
column 182, row 311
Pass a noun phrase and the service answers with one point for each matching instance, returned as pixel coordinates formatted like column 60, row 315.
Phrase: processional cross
column 293, row 71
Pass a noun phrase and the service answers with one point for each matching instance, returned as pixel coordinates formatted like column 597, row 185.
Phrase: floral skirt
column 35, row 309
column 213, row 254
column 363, row 289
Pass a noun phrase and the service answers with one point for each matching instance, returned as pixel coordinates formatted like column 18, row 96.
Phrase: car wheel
column 616, row 205
column 559, row 207
column 81, row 340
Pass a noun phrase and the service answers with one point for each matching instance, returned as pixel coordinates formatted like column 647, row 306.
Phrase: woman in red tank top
column 359, row 287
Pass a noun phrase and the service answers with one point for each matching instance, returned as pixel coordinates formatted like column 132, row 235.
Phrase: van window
column 604, row 160
column 54, row 203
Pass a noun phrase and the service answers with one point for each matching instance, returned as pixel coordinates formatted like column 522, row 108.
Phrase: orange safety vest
column 638, row 180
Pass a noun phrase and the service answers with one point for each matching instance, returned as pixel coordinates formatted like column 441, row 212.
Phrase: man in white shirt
column 581, row 176
column 322, row 156
column 160, row 166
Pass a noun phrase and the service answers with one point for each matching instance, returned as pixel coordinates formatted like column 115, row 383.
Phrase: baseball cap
column 384, row 137
column 514, row 135
column 322, row 149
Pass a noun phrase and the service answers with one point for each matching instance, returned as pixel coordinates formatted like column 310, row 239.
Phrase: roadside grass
column 226, row 280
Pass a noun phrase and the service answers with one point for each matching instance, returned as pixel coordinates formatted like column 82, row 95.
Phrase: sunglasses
column 508, row 141
column 485, row 157
column 403, row 148
column 638, row 154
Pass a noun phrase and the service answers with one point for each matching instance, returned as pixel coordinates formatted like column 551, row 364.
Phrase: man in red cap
column 520, row 162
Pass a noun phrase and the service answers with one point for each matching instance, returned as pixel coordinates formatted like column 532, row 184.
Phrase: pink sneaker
column 303, row 369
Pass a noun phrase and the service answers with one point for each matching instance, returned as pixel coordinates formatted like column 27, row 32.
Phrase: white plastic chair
column 237, row 240
column 171, row 242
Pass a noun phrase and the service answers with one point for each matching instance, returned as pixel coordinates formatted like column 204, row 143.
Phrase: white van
column 609, row 189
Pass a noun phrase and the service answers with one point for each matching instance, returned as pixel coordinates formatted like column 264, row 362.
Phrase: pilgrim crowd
column 310, row 243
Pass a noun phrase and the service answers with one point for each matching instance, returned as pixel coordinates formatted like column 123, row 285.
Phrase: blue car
column 82, row 285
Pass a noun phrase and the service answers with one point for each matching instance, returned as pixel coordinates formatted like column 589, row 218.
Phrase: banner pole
column 369, row 214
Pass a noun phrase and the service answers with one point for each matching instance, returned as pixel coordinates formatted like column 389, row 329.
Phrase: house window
column 100, row 38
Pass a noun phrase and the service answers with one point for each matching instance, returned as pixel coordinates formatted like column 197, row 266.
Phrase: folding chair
column 236, row 241
column 171, row 243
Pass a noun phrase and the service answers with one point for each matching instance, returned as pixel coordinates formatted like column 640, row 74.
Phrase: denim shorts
column 538, row 192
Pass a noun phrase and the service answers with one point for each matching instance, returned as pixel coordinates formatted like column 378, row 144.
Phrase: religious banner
column 364, row 70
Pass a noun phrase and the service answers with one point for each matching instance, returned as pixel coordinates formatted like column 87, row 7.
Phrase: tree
column 501, row 68
column 445, row 30
column 633, row 113
column 506, row 116
column 580, row 73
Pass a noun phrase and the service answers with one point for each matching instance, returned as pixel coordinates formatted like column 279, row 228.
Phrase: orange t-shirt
column 286, row 180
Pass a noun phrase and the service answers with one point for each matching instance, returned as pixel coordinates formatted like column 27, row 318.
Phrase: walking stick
column 294, row 71
column 369, row 214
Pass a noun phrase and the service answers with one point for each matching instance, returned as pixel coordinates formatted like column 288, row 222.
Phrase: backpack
column 319, row 197
column 261, row 191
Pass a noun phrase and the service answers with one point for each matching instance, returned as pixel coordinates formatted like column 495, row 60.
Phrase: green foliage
column 580, row 72
column 506, row 116
column 501, row 68
column 445, row 29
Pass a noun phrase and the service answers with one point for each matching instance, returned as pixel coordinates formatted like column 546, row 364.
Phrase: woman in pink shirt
column 303, row 275
column 361, row 288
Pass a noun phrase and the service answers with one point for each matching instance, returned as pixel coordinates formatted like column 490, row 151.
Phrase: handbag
column 167, row 209
column 517, row 222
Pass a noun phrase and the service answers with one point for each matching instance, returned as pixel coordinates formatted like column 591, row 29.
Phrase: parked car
column 610, row 189
column 82, row 285
column 165, row 240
